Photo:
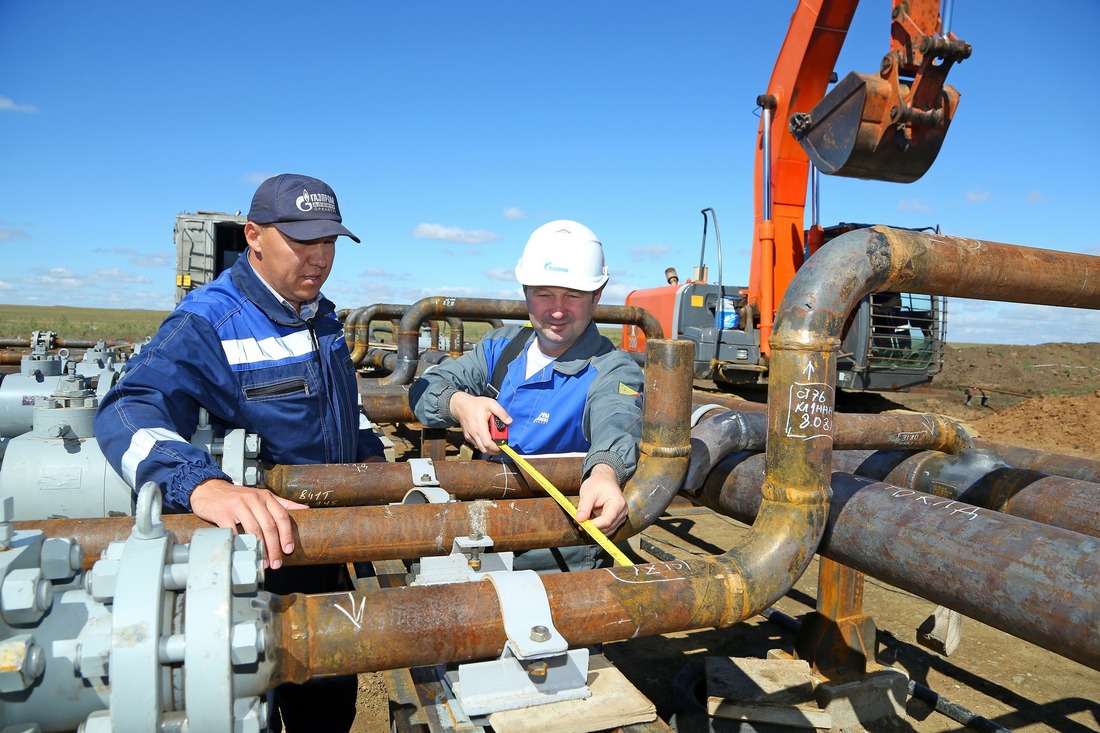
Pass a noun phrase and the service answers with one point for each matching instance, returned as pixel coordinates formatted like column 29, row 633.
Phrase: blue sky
column 451, row 130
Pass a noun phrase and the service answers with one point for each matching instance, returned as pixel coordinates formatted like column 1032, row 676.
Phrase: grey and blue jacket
column 233, row 348
column 587, row 400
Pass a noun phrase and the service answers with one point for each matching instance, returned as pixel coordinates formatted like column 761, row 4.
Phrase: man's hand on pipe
column 251, row 511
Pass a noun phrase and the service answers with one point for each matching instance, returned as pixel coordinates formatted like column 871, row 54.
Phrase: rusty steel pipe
column 805, row 342
column 982, row 478
column 60, row 343
column 357, row 326
column 359, row 484
column 365, row 533
column 407, row 339
column 665, row 448
column 732, row 431
column 1084, row 469
column 394, row 628
column 1033, row 581
column 386, row 405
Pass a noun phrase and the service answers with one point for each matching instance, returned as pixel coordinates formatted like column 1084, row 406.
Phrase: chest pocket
column 277, row 390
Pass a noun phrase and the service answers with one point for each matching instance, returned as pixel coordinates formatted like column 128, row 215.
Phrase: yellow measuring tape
column 567, row 505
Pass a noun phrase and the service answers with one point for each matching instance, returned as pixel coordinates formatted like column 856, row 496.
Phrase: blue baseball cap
column 300, row 207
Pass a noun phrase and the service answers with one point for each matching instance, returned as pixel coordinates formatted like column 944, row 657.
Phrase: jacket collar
column 591, row 343
column 248, row 281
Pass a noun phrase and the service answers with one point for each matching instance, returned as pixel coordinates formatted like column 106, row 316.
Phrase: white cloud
column 115, row 275
column 914, row 205
column 615, row 293
column 1035, row 196
column 164, row 258
column 8, row 234
column 255, row 179
column 1019, row 323
column 375, row 273
column 6, row 105
column 649, row 254
column 513, row 213
column 454, row 234
column 504, row 274
column 6, row 286
column 159, row 259
column 977, row 195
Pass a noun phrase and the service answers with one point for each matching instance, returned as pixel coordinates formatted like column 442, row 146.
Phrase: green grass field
column 112, row 324
column 78, row 324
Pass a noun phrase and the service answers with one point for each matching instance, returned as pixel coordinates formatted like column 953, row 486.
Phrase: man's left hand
column 602, row 500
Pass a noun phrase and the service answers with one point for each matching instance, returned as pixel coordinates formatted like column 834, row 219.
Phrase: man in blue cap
column 259, row 348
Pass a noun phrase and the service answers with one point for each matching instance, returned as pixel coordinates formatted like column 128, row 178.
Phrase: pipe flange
column 207, row 665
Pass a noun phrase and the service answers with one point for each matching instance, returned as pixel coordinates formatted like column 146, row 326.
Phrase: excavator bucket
column 863, row 129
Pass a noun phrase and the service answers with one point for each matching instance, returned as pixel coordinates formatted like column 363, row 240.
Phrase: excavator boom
column 886, row 126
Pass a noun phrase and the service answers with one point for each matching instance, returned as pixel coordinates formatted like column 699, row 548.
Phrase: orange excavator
column 886, row 126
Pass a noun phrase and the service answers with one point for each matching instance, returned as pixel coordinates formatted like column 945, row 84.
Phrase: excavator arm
column 887, row 126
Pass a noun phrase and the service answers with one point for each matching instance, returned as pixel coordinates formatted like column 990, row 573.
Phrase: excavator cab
column 887, row 126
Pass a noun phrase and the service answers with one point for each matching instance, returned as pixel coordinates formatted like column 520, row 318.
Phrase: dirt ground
column 1045, row 397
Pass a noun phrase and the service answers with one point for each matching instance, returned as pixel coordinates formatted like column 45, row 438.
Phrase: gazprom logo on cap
column 550, row 267
column 315, row 202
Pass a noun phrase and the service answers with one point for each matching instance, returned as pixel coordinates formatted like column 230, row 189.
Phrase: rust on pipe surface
column 332, row 485
column 1031, row 580
column 408, row 331
column 404, row 627
column 981, row 478
column 805, row 342
column 1085, row 469
column 367, row 533
column 387, row 405
column 665, row 448
column 357, row 326
column 731, row 431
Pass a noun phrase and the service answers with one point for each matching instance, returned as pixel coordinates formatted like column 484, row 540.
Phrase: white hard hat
column 565, row 254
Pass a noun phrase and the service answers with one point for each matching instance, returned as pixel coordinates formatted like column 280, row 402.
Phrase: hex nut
column 61, row 558
column 249, row 715
column 93, row 655
column 540, row 633
column 25, row 595
column 246, row 641
column 247, row 564
column 102, row 582
column 22, row 662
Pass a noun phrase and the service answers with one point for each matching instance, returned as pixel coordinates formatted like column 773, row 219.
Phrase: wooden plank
column 614, row 702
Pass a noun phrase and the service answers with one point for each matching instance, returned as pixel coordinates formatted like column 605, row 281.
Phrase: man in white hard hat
column 558, row 384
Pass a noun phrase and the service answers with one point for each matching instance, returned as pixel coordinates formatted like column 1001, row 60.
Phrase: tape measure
column 586, row 525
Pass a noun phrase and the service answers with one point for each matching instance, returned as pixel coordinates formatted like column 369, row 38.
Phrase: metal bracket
column 469, row 560
column 536, row 667
column 423, row 472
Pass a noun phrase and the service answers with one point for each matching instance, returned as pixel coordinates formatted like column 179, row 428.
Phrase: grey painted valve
column 157, row 636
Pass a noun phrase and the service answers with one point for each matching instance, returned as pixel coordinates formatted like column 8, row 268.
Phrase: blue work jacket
column 587, row 400
column 252, row 362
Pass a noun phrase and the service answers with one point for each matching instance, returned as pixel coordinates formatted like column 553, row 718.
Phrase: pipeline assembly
column 146, row 622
